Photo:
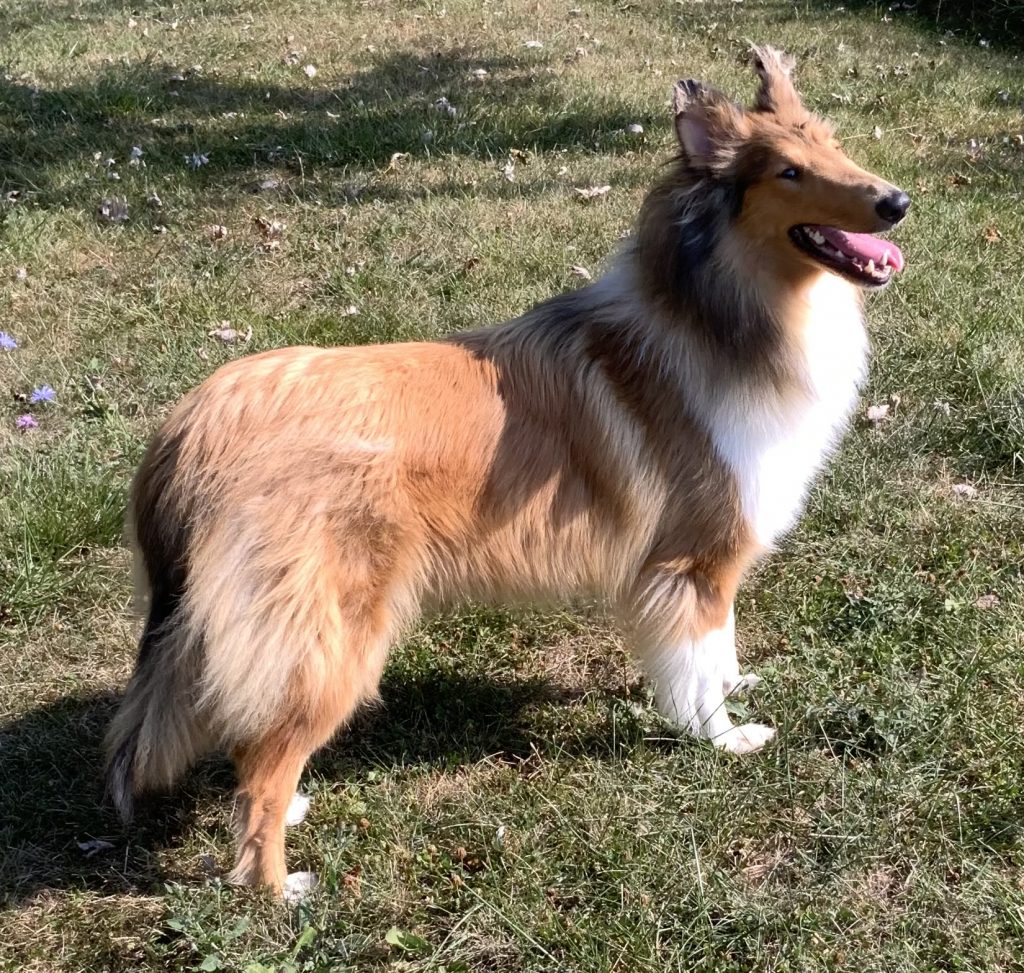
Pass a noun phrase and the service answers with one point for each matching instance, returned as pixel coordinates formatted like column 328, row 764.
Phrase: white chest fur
column 774, row 447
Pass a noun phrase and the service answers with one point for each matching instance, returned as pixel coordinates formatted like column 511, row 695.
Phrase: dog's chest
column 774, row 447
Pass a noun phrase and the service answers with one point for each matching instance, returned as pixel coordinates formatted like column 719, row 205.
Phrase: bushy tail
column 156, row 734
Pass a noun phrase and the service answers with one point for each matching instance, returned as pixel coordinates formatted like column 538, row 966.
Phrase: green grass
column 883, row 832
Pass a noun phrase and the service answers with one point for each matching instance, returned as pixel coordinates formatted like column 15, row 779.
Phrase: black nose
column 893, row 208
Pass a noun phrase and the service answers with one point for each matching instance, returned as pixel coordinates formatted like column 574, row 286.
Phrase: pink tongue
column 863, row 246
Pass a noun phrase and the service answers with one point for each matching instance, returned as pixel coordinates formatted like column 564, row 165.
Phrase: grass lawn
column 513, row 804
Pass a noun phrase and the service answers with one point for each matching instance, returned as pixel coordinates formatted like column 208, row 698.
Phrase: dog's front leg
column 692, row 676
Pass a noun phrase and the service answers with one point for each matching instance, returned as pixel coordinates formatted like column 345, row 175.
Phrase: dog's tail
column 154, row 738
column 157, row 733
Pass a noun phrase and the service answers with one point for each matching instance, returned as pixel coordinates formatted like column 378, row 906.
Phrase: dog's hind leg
column 268, row 772
column 298, row 607
column 321, row 698
column 686, row 641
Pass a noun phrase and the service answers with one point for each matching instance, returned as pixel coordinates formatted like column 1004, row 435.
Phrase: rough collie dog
column 642, row 440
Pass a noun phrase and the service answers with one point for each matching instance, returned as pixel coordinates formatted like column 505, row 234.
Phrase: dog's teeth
column 871, row 266
column 884, row 262
column 816, row 236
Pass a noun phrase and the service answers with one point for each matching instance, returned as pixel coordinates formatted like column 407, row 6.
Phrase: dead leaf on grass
column 265, row 185
column 94, row 846
column 113, row 210
column 396, row 157
column 593, row 192
column 579, row 271
column 351, row 881
column 444, row 106
column 271, row 232
column 229, row 335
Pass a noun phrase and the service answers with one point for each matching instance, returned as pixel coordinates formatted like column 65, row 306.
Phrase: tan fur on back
column 342, row 490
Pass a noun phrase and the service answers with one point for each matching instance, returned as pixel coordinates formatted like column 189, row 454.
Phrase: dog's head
column 799, row 199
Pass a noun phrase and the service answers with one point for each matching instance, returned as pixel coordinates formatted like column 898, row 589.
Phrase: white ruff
column 775, row 447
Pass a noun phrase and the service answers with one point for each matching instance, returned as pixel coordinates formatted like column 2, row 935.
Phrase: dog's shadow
column 58, row 832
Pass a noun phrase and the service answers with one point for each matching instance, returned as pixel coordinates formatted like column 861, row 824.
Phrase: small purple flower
column 27, row 421
column 42, row 394
column 7, row 341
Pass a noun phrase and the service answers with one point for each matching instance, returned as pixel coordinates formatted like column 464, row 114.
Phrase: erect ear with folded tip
column 775, row 69
column 705, row 118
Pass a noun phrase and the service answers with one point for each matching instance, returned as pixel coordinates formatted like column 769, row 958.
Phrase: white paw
column 298, row 885
column 297, row 809
column 748, row 738
column 738, row 683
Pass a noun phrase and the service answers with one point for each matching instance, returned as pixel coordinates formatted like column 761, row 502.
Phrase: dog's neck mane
column 682, row 268
column 677, row 332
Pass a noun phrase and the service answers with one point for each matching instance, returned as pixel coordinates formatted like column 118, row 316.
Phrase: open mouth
column 865, row 259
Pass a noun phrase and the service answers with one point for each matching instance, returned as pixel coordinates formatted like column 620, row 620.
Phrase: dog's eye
column 791, row 173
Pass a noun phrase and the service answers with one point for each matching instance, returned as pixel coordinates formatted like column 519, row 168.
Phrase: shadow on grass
column 1000, row 22
column 438, row 718
column 246, row 129
column 51, row 799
